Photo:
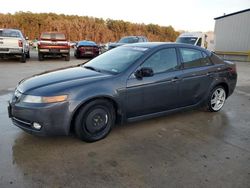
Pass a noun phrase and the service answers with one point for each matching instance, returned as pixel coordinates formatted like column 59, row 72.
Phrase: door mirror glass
column 144, row 72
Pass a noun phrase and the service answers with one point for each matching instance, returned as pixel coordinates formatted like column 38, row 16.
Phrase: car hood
column 58, row 77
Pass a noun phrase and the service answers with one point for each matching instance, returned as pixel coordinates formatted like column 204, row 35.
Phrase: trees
column 84, row 27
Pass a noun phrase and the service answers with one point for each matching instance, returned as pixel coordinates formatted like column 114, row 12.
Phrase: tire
column 23, row 58
column 40, row 56
column 216, row 99
column 67, row 58
column 28, row 55
column 95, row 120
column 77, row 56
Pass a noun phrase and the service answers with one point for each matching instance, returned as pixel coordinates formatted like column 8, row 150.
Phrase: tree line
column 84, row 27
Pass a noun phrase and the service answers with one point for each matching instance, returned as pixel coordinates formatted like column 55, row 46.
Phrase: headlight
column 40, row 99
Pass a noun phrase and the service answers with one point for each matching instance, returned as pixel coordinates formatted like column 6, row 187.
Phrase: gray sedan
column 130, row 83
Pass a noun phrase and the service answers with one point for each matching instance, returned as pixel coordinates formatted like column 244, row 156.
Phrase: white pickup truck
column 13, row 44
column 204, row 40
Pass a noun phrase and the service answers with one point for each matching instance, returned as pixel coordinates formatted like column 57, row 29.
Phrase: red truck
column 53, row 44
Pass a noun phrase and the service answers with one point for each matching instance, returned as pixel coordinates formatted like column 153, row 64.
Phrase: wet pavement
column 185, row 149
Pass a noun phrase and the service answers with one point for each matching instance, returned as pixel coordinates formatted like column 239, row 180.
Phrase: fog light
column 37, row 126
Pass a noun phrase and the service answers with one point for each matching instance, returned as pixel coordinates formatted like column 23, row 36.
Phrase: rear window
column 57, row 36
column 129, row 40
column 9, row 33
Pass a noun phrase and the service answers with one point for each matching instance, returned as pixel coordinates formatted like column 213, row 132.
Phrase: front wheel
column 217, row 99
column 95, row 120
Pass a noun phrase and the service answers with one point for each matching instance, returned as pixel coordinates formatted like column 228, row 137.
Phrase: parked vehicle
column 197, row 38
column 86, row 49
column 127, row 40
column 53, row 44
column 129, row 83
column 14, row 44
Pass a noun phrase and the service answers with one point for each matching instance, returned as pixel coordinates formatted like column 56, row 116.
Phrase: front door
column 159, row 92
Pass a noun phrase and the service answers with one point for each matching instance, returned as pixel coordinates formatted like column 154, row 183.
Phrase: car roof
column 138, row 36
column 9, row 29
column 163, row 44
column 52, row 32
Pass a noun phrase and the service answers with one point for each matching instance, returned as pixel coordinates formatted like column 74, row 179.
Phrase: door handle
column 175, row 79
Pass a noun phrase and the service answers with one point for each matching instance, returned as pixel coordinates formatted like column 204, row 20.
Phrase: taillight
column 82, row 48
column 20, row 43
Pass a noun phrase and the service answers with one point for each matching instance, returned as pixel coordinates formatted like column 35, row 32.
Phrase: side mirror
column 144, row 72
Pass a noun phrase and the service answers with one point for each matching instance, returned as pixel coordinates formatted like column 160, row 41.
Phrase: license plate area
column 88, row 52
column 54, row 50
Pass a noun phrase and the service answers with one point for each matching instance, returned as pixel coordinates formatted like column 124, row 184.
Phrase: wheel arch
column 115, row 104
column 224, row 85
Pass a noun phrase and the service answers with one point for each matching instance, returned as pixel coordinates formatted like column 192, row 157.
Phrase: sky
column 188, row 15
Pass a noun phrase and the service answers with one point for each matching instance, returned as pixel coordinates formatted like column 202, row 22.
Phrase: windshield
column 58, row 36
column 129, row 40
column 187, row 40
column 117, row 60
column 9, row 33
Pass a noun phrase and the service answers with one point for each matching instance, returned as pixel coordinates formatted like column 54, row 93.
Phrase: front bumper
column 54, row 117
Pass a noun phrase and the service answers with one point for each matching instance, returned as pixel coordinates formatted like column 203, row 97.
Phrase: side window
column 163, row 60
column 140, row 40
column 205, row 61
column 190, row 57
column 199, row 42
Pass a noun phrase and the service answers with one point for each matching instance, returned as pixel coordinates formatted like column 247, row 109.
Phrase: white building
column 232, row 35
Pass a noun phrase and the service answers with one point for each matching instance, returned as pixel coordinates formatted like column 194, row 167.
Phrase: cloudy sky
column 189, row 15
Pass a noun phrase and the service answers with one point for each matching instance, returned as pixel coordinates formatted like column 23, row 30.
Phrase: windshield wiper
column 92, row 68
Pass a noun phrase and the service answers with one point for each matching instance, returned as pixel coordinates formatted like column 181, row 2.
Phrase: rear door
column 197, row 75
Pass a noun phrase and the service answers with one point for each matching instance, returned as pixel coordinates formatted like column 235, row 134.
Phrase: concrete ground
column 187, row 149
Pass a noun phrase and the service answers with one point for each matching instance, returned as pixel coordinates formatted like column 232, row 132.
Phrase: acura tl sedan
column 130, row 83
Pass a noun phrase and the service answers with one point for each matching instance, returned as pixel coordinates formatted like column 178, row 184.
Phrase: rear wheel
column 23, row 58
column 40, row 56
column 67, row 57
column 77, row 56
column 28, row 54
column 216, row 99
column 95, row 120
